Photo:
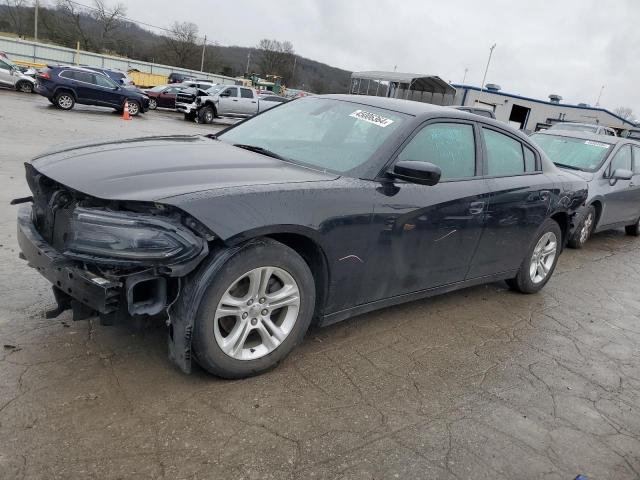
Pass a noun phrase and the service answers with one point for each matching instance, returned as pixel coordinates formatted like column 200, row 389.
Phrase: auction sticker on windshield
column 372, row 118
column 596, row 144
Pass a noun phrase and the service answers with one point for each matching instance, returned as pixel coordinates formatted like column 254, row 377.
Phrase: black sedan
column 318, row 210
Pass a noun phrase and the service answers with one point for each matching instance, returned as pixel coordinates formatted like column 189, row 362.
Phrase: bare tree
column 626, row 113
column 74, row 18
column 182, row 44
column 109, row 20
column 17, row 16
column 276, row 57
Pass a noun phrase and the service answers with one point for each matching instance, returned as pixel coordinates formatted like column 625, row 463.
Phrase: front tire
column 206, row 114
column 134, row 108
column 255, row 311
column 584, row 230
column 633, row 230
column 153, row 104
column 541, row 259
column 65, row 101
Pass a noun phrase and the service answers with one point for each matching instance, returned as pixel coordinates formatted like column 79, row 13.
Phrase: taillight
column 44, row 75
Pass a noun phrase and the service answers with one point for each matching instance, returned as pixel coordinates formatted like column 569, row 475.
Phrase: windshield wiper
column 570, row 167
column 263, row 151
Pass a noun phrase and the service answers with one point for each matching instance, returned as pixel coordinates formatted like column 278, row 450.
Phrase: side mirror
column 424, row 173
column 621, row 174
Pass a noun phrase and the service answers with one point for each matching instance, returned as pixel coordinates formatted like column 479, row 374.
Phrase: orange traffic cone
column 125, row 111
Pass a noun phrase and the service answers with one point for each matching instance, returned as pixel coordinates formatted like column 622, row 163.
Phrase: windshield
column 215, row 89
column 575, row 127
column 579, row 153
column 319, row 132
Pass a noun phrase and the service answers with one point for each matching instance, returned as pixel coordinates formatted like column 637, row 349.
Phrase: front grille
column 185, row 98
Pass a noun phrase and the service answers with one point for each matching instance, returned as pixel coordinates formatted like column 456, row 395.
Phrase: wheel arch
column 304, row 241
column 61, row 89
column 598, row 204
column 562, row 219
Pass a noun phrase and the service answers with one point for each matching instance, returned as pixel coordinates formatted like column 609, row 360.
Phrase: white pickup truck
column 219, row 100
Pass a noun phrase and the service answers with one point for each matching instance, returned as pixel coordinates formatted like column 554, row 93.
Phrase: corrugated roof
column 417, row 81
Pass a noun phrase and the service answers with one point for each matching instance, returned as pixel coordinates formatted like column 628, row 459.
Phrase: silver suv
column 11, row 76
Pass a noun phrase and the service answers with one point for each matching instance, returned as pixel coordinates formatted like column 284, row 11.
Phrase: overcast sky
column 568, row 47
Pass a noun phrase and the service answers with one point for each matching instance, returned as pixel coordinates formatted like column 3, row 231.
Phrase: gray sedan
column 611, row 166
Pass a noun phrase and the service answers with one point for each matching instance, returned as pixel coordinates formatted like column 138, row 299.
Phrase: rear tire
column 633, row 230
column 248, row 333
column 540, row 261
column 584, row 230
column 64, row 100
column 24, row 87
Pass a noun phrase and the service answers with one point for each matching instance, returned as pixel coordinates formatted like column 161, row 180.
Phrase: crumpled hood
column 153, row 168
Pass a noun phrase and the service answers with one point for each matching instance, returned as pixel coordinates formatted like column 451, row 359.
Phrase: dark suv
column 65, row 86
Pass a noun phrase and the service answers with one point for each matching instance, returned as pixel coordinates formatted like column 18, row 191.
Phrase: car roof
column 587, row 136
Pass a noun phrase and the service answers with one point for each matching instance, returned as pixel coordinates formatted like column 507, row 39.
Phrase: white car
column 11, row 76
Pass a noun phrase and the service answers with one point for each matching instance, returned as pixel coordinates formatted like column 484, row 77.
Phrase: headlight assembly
column 129, row 238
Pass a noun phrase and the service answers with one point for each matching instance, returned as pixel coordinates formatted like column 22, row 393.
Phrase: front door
column 107, row 92
column 620, row 199
column 228, row 101
column 519, row 204
column 6, row 74
column 427, row 235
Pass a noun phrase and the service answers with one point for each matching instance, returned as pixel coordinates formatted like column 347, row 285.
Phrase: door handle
column 253, row 101
column 476, row 207
column 235, row 100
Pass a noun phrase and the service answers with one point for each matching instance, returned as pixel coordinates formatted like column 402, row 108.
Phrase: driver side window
column 231, row 91
column 621, row 160
column 450, row 146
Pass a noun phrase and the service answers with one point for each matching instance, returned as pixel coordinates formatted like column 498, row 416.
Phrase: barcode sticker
column 372, row 118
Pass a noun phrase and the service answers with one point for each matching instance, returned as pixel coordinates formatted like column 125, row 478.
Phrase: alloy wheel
column 543, row 256
column 133, row 108
column 256, row 313
column 152, row 104
column 585, row 231
column 26, row 87
column 65, row 101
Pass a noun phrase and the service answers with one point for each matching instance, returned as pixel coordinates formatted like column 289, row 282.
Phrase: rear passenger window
column 450, row 146
column 83, row 77
column 246, row 93
column 621, row 160
column 505, row 155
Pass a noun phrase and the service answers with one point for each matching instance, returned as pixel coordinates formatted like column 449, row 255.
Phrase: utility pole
column 599, row 96
column 246, row 70
column 465, row 75
column 35, row 26
column 204, row 45
column 293, row 70
column 487, row 69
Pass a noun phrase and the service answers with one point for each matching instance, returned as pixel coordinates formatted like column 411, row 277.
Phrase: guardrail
column 30, row 52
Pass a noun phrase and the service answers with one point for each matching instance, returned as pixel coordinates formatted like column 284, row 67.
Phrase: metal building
column 409, row 86
column 530, row 114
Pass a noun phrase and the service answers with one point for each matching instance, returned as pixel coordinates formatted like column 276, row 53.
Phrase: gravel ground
column 478, row 384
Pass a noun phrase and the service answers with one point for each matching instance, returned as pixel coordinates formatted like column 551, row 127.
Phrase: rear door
column 248, row 101
column 620, row 199
column 519, row 202
column 82, row 83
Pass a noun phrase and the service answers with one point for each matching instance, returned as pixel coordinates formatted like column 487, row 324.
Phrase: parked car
column 632, row 133
column 583, row 127
column 179, row 77
column 219, row 100
column 611, row 166
column 268, row 101
column 12, row 77
column 163, row 96
column 483, row 112
column 321, row 209
column 65, row 86
column 120, row 77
